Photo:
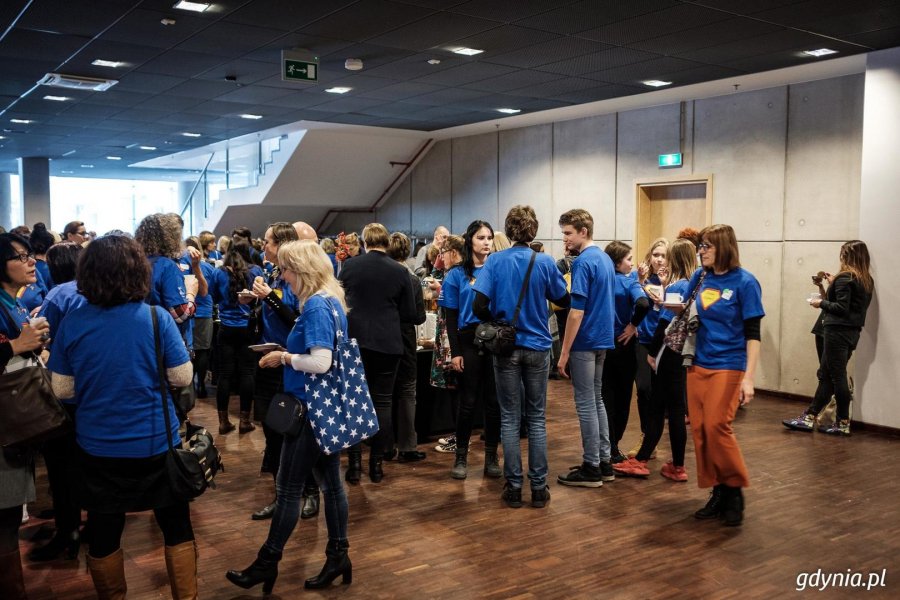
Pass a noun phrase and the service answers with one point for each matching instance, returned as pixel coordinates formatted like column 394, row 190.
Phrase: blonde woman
column 501, row 242
column 310, row 346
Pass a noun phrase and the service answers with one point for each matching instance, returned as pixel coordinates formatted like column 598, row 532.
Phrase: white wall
column 878, row 354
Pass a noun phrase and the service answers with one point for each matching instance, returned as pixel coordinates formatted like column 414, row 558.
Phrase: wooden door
column 665, row 206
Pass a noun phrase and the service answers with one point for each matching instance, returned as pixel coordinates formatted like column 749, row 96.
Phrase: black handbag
column 286, row 414
column 31, row 412
column 193, row 470
column 499, row 337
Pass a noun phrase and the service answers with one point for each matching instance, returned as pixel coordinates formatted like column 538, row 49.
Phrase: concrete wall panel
column 740, row 139
column 763, row 259
column 584, row 171
column 395, row 212
column 474, row 177
column 824, row 155
column 642, row 136
column 430, row 194
column 526, row 174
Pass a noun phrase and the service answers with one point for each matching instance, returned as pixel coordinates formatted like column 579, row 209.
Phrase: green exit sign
column 669, row 160
column 299, row 70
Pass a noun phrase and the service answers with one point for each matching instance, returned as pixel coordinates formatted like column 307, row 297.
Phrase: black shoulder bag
column 499, row 337
column 193, row 470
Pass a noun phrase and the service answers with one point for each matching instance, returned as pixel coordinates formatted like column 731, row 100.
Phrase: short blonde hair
column 376, row 235
column 314, row 271
column 327, row 245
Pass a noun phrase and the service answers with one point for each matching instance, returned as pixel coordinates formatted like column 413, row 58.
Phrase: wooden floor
column 816, row 503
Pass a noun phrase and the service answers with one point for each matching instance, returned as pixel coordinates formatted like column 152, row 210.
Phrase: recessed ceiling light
column 21, row 121
column 147, row 147
column 656, row 83
column 192, row 6
column 87, row 166
column 820, row 52
column 466, row 51
column 2, row 137
column 57, row 98
column 113, row 158
column 67, row 172
column 107, row 63
column 338, row 90
column 167, row 21
column 249, row 116
column 190, row 134
column 509, row 111
column 434, row 61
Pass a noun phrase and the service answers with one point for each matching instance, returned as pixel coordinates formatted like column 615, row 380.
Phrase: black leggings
column 644, row 380
column 618, row 381
column 237, row 366
column 839, row 344
column 10, row 521
column 107, row 528
column 61, row 458
column 668, row 397
column 201, row 366
column 477, row 381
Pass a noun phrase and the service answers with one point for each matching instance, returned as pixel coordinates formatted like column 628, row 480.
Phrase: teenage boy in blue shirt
column 525, row 370
column 589, row 334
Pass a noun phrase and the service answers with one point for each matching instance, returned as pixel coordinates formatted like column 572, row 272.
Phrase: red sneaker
column 670, row 471
column 632, row 468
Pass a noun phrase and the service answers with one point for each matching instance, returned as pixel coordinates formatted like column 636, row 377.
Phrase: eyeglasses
column 705, row 246
column 24, row 257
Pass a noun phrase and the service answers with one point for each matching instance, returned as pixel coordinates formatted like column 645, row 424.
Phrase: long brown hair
column 682, row 259
column 855, row 261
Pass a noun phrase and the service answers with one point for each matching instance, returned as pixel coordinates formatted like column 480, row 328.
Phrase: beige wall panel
column 763, row 259
column 642, row 136
column 474, row 180
column 740, row 140
column 395, row 212
column 430, row 193
column 584, row 171
column 824, row 159
column 526, row 159
column 798, row 348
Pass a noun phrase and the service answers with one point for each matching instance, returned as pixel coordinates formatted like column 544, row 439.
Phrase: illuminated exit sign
column 299, row 65
column 669, row 160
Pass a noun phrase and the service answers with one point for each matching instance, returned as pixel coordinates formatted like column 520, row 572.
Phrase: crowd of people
column 259, row 318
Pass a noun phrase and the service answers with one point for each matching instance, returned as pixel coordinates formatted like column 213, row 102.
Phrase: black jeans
column 381, row 371
column 268, row 382
column 60, row 456
column 668, row 396
column 618, row 381
column 477, row 381
column 405, row 395
column 237, row 366
column 839, row 344
column 107, row 528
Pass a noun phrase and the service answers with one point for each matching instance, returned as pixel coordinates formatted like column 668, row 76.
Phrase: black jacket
column 846, row 302
column 380, row 296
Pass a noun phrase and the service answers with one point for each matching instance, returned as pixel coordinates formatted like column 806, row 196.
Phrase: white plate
column 270, row 347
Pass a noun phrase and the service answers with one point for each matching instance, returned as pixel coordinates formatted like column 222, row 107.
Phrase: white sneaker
column 450, row 439
column 25, row 516
column 447, row 448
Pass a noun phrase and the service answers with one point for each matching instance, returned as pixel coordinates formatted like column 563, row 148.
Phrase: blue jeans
column 586, row 368
column 300, row 455
column 523, row 372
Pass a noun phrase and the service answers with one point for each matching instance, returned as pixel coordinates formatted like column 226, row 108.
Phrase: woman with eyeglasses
column 729, row 310
column 18, row 341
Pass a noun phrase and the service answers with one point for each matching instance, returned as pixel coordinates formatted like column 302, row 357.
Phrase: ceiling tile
column 438, row 30
column 546, row 52
column 654, row 24
column 144, row 25
column 590, row 14
column 230, row 39
column 147, row 83
column 182, row 64
column 399, row 91
column 467, row 73
column 365, row 19
column 507, row 11
column 286, row 15
column 512, row 81
column 40, row 46
column 596, row 61
column 72, row 18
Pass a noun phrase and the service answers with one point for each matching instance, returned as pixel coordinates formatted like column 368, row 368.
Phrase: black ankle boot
column 354, row 466
column 732, row 506
column 310, row 505
column 337, row 562
column 264, row 570
column 376, row 470
column 713, row 508
column 62, row 544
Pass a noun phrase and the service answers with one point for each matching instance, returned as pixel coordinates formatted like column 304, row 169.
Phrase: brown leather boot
column 246, row 425
column 11, row 581
column 225, row 426
column 181, row 564
column 108, row 574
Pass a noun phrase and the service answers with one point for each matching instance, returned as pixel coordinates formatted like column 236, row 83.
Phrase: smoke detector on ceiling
column 353, row 64
column 75, row 82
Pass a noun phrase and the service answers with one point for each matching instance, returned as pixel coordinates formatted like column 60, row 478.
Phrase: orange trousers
column 713, row 397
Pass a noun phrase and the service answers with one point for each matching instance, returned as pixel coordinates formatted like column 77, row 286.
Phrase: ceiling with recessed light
column 185, row 72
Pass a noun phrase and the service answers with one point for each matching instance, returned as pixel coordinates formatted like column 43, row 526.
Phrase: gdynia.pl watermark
column 817, row 580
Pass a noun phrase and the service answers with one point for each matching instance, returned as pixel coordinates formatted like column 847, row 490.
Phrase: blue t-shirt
column 724, row 302
column 203, row 304
column 44, row 269
column 168, row 291
column 61, row 300
column 458, row 292
column 627, row 292
column 16, row 311
column 112, row 356
column 647, row 327
column 214, row 255
column 231, row 312
column 276, row 331
column 314, row 327
column 678, row 287
column 32, row 295
column 501, row 281
column 593, row 288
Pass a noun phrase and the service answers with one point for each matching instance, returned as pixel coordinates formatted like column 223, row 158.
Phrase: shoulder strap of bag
column 687, row 307
column 163, row 385
column 524, row 288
